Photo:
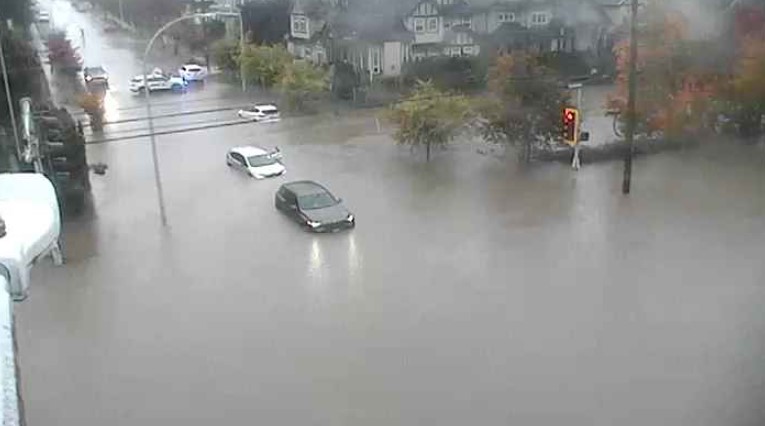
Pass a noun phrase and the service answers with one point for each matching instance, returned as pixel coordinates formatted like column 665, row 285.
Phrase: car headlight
column 349, row 218
column 313, row 224
column 88, row 78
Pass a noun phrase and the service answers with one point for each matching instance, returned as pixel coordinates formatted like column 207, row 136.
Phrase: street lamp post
column 152, row 138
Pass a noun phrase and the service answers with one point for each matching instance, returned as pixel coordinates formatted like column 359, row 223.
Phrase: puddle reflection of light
column 354, row 258
column 111, row 108
column 316, row 259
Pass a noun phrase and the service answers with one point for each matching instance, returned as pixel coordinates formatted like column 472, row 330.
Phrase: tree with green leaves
column 525, row 104
column 226, row 55
column 429, row 116
column 300, row 81
column 265, row 64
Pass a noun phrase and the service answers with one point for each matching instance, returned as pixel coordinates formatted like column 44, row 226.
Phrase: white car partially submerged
column 193, row 72
column 260, row 112
column 256, row 161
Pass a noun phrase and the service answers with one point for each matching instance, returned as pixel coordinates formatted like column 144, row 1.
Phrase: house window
column 419, row 25
column 467, row 50
column 299, row 25
column 506, row 17
column 466, row 22
column 432, row 25
column 539, row 18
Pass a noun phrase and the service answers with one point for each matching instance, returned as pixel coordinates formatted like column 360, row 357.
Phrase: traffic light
column 571, row 126
column 62, row 149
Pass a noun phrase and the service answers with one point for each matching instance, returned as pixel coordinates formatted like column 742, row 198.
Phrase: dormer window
column 299, row 24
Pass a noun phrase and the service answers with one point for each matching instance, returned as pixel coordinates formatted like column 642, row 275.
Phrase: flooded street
column 472, row 290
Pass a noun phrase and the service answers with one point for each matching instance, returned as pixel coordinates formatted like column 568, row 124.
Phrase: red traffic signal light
column 570, row 125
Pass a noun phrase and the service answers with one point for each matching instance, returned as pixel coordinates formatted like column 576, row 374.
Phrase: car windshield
column 260, row 160
column 316, row 201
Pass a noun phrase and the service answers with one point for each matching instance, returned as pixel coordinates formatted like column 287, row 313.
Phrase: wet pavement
column 472, row 291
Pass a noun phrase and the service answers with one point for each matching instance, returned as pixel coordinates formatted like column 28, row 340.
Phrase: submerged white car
column 256, row 162
column 260, row 112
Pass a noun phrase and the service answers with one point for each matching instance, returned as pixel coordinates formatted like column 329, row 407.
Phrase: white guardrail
column 11, row 415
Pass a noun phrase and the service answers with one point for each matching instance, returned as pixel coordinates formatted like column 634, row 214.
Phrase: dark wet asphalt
column 470, row 292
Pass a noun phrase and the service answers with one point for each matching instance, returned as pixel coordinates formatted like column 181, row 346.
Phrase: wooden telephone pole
column 632, row 89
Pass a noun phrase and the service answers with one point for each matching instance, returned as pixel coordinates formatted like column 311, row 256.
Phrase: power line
column 169, row 132
column 177, row 125
column 175, row 114
column 176, row 102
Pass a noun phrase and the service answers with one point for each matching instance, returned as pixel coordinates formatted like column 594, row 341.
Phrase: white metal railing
column 11, row 415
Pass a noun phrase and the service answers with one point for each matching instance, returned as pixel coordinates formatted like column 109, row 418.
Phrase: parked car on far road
column 260, row 112
column 157, row 82
column 95, row 75
column 193, row 72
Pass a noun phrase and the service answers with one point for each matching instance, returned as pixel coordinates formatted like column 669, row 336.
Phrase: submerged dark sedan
column 313, row 206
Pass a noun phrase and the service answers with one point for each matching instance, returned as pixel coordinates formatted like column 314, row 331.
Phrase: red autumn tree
column 674, row 86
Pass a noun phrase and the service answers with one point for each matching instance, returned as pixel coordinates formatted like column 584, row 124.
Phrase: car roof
column 265, row 106
column 305, row 187
column 95, row 68
column 192, row 66
column 249, row 151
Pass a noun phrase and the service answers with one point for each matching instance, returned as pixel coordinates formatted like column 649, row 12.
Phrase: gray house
column 378, row 38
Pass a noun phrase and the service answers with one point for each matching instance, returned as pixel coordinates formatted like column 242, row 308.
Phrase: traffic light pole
column 632, row 89
column 9, row 98
column 576, row 163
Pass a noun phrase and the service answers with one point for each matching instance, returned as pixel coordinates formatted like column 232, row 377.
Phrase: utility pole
column 122, row 12
column 632, row 88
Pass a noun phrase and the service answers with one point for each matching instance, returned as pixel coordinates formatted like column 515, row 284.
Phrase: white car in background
column 260, row 112
column 157, row 81
column 256, row 161
column 193, row 72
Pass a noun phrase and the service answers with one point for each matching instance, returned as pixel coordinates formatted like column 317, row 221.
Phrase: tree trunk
column 427, row 151
column 527, row 151
column 97, row 122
